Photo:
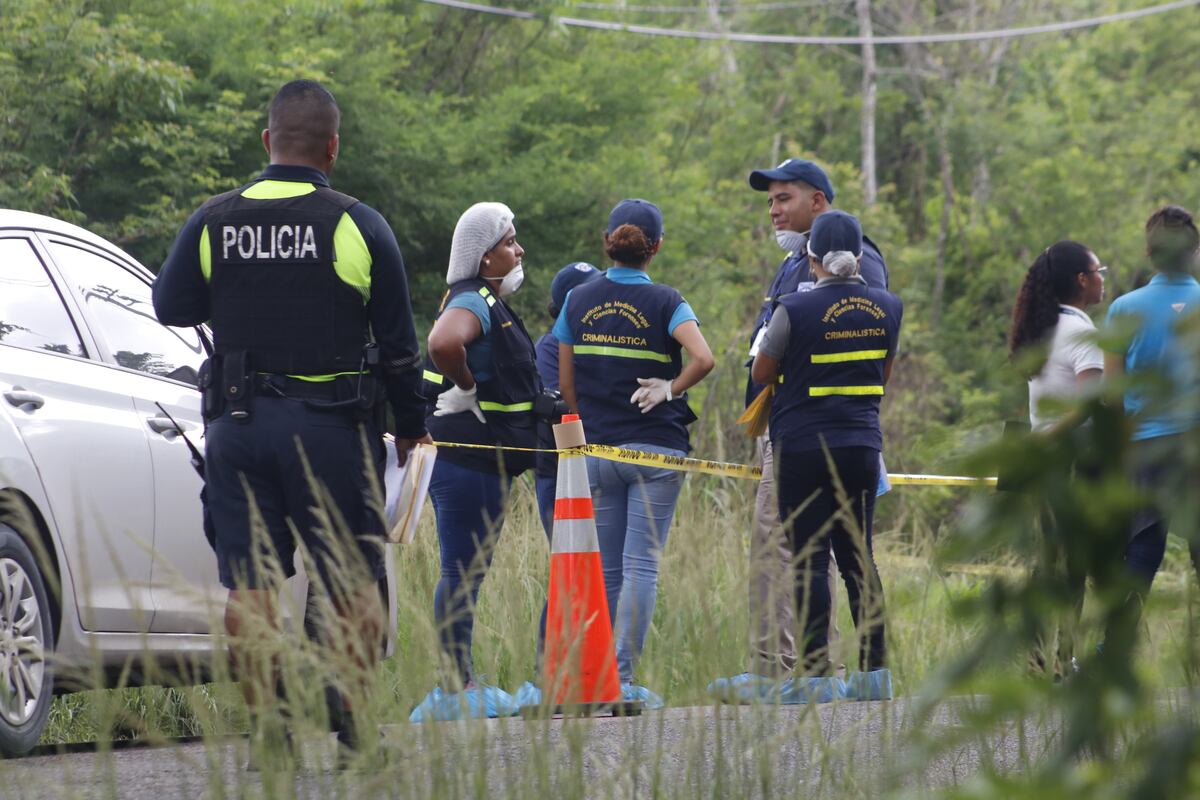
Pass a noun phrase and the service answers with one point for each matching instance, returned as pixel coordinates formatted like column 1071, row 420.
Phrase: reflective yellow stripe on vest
column 487, row 405
column 487, row 295
column 826, row 391
column 853, row 355
column 432, row 376
column 620, row 352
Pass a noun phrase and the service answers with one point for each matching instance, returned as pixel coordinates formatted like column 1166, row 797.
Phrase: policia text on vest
column 280, row 242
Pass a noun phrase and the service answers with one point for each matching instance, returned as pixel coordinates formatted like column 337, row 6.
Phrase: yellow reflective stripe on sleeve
column 487, row 405
column 431, row 376
column 277, row 190
column 853, row 355
column 620, row 352
column 205, row 255
column 353, row 263
column 826, row 391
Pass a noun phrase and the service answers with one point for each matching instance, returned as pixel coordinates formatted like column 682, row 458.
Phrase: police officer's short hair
column 303, row 117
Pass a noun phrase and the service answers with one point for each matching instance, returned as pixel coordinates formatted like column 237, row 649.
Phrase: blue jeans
column 470, row 513
column 634, row 507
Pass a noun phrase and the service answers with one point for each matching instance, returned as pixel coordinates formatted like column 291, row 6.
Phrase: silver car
column 104, row 567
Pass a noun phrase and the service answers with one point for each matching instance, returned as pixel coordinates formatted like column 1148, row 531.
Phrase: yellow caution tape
column 680, row 463
column 721, row 468
column 902, row 479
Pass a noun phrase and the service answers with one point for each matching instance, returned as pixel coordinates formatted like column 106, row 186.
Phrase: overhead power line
column 723, row 9
column 771, row 38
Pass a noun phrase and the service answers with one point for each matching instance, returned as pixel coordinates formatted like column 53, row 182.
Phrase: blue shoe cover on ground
column 749, row 687
column 873, row 685
column 483, row 702
column 800, row 691
column 632, row 693
column 528, row 695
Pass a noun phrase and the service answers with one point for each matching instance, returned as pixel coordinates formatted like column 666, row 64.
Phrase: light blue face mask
column 792, row 241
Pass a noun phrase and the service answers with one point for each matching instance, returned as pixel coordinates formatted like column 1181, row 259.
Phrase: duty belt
column 294, row 388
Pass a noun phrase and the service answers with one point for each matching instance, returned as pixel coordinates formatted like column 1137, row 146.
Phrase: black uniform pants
column 827, row 498
column 294, row 474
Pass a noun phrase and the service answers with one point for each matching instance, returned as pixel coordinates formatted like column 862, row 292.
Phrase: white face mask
column 512, row 281
column 791, row 241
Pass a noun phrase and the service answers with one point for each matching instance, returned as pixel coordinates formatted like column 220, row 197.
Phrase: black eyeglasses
column 1101, row 270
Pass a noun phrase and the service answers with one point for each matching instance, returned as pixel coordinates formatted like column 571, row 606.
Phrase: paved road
column 840, row 750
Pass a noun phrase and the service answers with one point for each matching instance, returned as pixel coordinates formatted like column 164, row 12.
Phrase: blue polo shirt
column 683, row 312
column 1159, row 307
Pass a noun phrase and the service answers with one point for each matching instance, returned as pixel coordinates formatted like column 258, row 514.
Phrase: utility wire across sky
column 770, row 38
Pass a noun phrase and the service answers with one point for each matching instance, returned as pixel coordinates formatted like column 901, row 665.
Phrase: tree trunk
column 946, row 168
column 870, row 182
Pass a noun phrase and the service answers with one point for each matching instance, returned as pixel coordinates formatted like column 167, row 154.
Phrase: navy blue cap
column 794, row 169
column 835, row 231
column 641, row 213
column 567, row 279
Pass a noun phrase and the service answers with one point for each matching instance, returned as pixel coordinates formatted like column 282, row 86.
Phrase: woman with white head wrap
column 480, row 383
column 834, row 345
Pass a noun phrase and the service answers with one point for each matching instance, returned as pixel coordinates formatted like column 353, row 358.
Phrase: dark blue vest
column 832, row 370
column 795, row 270
column 506, row 398
column 620, row 333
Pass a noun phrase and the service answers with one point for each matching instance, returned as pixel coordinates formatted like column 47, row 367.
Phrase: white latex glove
column 653, row 392
column 454, row 400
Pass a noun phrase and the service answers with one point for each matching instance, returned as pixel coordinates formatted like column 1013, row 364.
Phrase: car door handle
column 25, row 400
column 166, row 425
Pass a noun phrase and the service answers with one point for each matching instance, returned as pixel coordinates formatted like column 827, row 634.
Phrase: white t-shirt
column 1072, row 351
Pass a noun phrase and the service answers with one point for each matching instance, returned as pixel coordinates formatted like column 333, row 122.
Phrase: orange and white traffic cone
column 580, row 661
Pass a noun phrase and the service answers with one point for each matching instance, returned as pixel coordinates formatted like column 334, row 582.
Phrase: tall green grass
column 700, row 631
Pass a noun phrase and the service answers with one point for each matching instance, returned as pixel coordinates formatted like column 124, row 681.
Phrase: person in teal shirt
column 1157, row 312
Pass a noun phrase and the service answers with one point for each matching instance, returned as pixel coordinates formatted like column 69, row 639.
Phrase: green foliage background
column 123, row 116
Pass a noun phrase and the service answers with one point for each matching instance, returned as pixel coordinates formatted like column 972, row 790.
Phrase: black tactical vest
column 506, row 398
column 275, row 293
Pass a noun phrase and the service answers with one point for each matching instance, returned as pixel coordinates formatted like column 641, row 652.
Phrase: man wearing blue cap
column 835, row 344
column 798, row 191
column 546, row 472
column 546, row 350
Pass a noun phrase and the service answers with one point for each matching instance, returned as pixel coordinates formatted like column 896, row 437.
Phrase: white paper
column 406, row 488
column 758, row 337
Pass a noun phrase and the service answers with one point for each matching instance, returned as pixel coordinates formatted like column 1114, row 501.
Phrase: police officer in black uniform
column 305, row 292
column 831, row 351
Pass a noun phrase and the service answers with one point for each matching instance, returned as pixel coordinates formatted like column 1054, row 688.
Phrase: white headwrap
column 479, row 229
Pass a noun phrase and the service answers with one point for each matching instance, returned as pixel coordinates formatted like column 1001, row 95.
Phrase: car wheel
column 26, row 640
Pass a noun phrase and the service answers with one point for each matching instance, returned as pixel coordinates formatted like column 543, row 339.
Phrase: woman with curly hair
column 1062, row 283
column 1053, row 340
